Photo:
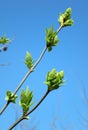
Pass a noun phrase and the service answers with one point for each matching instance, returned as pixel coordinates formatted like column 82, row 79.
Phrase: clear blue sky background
column 25, row 22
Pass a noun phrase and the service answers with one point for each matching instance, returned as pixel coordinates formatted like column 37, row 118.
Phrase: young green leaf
column 26, row 100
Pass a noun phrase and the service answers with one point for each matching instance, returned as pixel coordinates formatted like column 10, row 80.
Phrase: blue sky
column 25, row 21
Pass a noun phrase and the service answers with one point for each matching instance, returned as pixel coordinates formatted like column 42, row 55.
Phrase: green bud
column 65, row 18
column 51, row 38
column 54, row 79
column 10, row 97
column 28, row 60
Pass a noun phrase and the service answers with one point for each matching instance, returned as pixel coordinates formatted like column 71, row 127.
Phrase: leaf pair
column 54, row 79
column 26, row 100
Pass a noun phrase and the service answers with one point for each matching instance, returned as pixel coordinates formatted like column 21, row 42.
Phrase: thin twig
column 25, row 116
column 58, row 30
column 4, row 107
column 17, row 122
column 6, row 64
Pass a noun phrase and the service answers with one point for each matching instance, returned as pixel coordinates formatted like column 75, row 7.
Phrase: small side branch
column 25, row 77
column 26, row 115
